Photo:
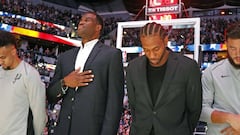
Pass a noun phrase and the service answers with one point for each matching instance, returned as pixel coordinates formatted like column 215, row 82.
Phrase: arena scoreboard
column 156, row 7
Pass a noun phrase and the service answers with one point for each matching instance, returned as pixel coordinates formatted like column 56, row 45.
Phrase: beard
column 237, row 66
column 6, row 68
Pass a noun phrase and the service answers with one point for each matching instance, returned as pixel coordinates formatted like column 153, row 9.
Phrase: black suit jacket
column 94, row 109
column 178, row 106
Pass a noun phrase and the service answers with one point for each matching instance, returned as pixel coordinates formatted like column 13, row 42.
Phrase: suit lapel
column 143, row 69
column 170, row 71
column 75, row 53
column 92, row 55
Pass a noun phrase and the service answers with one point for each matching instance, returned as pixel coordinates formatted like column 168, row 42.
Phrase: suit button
column 72, row 99
column 154, row 112
column 69, row 117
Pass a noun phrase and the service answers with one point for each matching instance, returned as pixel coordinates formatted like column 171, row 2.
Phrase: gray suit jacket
column 178, row 106
column 94, row 109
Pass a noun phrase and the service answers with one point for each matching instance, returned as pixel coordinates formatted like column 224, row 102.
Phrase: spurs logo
column 17, row 77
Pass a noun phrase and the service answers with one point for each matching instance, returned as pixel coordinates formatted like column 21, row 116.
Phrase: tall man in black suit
column 164, row 88
column 90, row 80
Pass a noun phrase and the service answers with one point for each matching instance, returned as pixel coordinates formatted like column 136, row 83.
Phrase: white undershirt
column 83, row 53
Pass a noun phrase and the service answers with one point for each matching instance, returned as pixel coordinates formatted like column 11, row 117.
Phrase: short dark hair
column 7, row 38
column 153, row 28
column 99, row 20
column 233, row 31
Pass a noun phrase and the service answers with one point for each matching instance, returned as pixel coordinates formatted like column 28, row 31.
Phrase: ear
column 165, row 40
column 14, row 50
column 99, row 27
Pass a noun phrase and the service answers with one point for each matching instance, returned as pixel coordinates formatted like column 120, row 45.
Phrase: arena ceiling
column 134, row 6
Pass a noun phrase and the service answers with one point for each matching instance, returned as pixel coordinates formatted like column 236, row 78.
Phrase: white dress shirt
column 83, row 53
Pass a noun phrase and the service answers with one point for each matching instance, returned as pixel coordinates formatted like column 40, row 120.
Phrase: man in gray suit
column 164, row 88
column 90, row 81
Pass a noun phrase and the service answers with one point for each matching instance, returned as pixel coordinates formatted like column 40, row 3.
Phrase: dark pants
column 30, row 129
column 152, row 131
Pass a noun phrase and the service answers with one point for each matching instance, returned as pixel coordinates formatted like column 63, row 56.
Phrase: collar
column 88, row 44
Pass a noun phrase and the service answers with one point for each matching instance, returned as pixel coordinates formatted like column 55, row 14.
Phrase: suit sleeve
column 130, row 92
column 54, row 92
column 37, row 98
column 194, row 95
column 115, row 95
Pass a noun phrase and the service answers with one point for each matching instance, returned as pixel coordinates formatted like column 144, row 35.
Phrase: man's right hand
column 78, row 79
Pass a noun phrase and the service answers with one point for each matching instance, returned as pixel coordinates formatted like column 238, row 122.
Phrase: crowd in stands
column 41, row 27
column 46, row 15
column 40, row 12
column 212, row 29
